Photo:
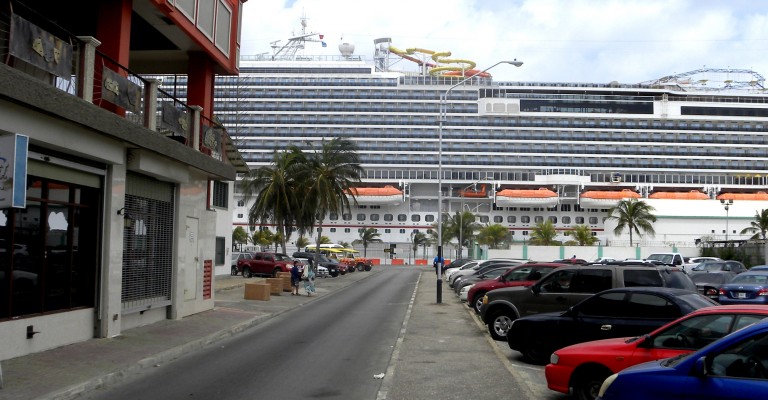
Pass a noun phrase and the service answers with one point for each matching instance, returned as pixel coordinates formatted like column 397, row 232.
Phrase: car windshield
column 709, row 266
column 664, row 258
column 710, row 278
column 751, row 279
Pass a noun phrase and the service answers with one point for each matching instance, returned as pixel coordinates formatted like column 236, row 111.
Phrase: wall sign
column 13, row 171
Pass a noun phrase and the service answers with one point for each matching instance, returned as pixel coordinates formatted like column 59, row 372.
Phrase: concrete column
column 196, row 128
column 150, row 103
column 87, row 63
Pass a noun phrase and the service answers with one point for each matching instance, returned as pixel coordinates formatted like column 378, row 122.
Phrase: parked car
column 237, row 256
column 320, row 271
column 581, row 368
column 483, row 270
column 732, row 367
column 481, row 267
column 566, row 286
column 450, row 272
column 330, row 264
column 263, row 263
column 612, row 313
column 709, row 283
column 522, row 275
column 749, row 287
column 492, row 273
column 714, row 266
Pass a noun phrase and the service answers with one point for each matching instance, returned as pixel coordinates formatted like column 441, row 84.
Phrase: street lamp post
column 727, row 205
column 441, row 119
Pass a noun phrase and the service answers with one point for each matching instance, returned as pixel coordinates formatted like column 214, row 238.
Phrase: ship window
column 429, row 218
column 388, row 217
column 346, row 217
column 566, row 220
column 579, row 220
column 374, row 217
column 402, row 217
column 511, row 219
column 553, row 220
column 346, row 230
column 361, row 217
column 538, row 219
column 333, row 230
column 525, row 219
column 498, row 219
column 402, row 230
column 484, row 219
column 592, row 220
column 387, row 230
column 333, row 216
column 415, row 218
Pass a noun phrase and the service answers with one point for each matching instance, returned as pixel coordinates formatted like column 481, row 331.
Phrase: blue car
column 734, row 367
column 749, row 287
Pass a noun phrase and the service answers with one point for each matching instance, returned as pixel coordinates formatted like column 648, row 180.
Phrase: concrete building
column 115, row 197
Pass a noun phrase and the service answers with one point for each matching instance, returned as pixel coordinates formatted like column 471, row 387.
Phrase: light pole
column 727, row 205
column 441, row 119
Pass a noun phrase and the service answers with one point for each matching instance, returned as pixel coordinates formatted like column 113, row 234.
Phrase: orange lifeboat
column 692, row 195
column 743, row 196
column 474, row 193
column 376, row 195
column 605, row 198
column 526, row 197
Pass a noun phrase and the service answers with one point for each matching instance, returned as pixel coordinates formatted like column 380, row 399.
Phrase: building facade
column 124, row 191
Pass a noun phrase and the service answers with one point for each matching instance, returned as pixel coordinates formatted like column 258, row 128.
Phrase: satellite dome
column 346, row 49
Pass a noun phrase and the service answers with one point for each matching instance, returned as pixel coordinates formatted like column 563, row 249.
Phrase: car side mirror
column 700, row 367
column 536, row 289
column 645, row 341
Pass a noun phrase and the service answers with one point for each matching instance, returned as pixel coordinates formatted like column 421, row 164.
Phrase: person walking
column 309, row 283
column 295, row 278
column 437, row 260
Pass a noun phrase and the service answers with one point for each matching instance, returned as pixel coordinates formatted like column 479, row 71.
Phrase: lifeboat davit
column 692, row 195
column 743, row 196
column 376, row 195
column 526, row 197
column 605, row 198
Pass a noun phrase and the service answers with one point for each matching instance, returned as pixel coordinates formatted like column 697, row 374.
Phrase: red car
column 580, row 369
column 522, row 275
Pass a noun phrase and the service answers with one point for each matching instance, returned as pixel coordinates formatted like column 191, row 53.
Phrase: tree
column 462, row 226
column 277, row 240
column 326, row 175
column 239, row 237
column 418, row 239
column 367, row 236
column 634, row 215
column 302, row 242
column 276, row 191
column 582, row 235
column 263, row 238
column 493, row 235
column 759, row 227
column 544, row 234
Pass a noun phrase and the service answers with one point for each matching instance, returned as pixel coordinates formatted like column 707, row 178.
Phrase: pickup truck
column 673, row 259
column 262, row 263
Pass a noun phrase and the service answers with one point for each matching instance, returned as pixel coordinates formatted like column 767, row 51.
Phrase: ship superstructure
column 513, row 153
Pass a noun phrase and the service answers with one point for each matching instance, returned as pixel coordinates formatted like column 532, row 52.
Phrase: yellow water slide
column 440, row 58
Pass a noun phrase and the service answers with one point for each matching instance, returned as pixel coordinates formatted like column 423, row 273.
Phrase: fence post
column 85, row 71
column 196, row 127
column 150, row 103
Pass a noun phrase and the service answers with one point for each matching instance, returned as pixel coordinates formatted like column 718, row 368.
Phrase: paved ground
column 441, row 353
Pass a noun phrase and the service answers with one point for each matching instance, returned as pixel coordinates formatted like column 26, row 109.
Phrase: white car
column 320, row 271
column 464, row 292
column 451, row 271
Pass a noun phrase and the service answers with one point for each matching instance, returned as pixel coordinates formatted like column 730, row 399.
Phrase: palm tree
column 544, row 234
column 277, row 195
column 582, row 235
column 367, row 236
column 759, row 226
column 263, row 238
column 635, row 215
column 418, row 239
column 239, row 237
column 462, row 226
column 326, row 175
column 493, row 235
column 302, row 242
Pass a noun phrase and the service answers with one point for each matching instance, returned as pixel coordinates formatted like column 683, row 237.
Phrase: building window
column 220, row 194
column 221, row 245
column 223, row 27
column 61, row 221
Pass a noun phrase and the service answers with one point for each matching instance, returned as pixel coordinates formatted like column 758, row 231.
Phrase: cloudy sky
column 628, row 41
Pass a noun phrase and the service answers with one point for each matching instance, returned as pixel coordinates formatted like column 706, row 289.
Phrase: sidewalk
column 440, row 347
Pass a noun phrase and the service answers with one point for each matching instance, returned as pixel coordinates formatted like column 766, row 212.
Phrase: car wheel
column 334, row 274
column 537, row 352
column 360, row 267
column 234, row 271
column 368, row 267
column 247, row 272
column 478, row 302
column 275, row 272
column 351, row 269
column 586, row 385
column 500, row 323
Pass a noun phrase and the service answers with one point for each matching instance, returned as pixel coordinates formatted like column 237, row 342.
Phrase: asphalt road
column 330, row 348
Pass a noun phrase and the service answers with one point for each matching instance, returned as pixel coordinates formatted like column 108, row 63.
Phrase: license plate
column 741, row 295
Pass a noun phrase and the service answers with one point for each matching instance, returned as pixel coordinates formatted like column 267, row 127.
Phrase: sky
column 592, row 41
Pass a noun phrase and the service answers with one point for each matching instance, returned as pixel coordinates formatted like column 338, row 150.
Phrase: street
column 340, row 345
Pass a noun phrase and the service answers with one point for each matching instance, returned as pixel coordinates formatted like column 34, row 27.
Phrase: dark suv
column 332, row 265
column 566, row 286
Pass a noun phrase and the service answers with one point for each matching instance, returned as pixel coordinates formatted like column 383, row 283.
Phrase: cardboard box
column 276, row 285
column 257, row 291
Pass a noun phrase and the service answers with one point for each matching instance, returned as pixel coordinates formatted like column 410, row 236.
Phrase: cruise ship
column 691, row 145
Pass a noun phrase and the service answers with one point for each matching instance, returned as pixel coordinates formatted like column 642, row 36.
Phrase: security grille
column 147, row 244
